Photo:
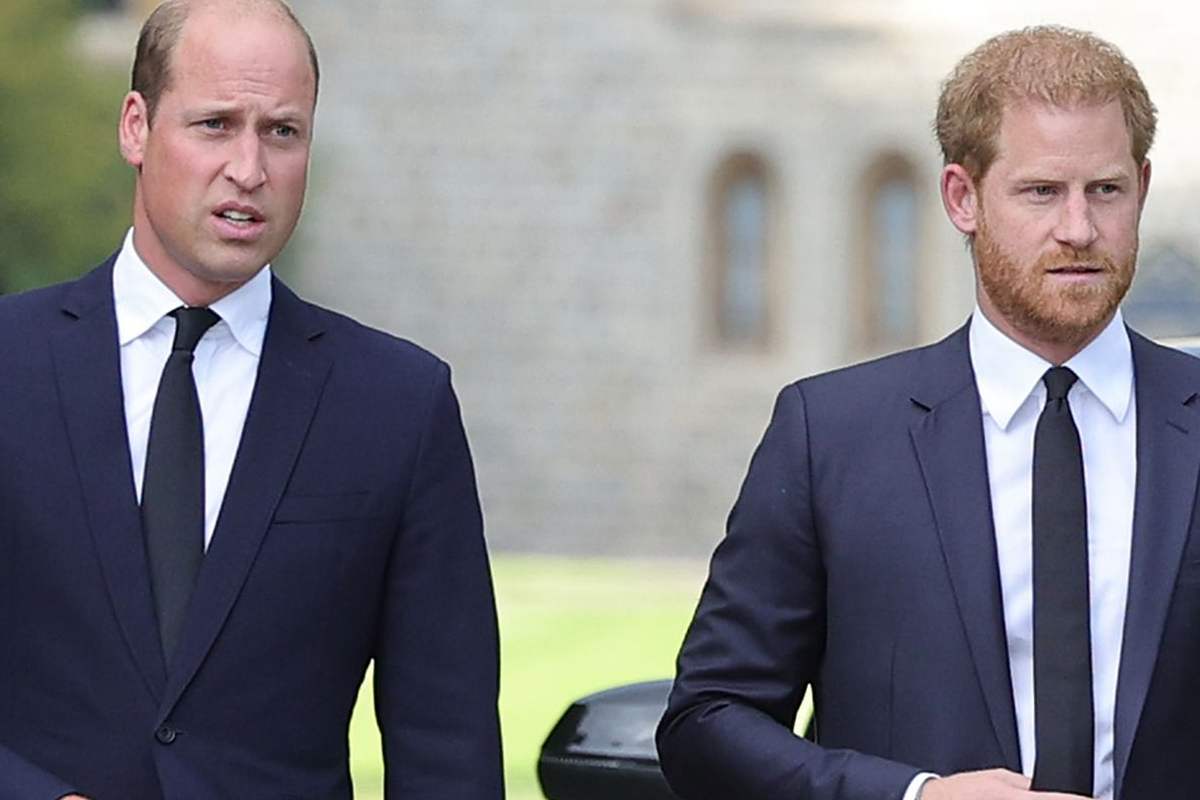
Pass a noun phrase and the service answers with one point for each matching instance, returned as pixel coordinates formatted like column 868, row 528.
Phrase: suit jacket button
column 166, row 734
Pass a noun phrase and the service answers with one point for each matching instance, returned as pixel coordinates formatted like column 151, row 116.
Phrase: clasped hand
column 988, row 784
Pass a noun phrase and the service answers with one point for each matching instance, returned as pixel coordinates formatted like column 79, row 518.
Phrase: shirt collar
column 141, row 300
column 1006, row 374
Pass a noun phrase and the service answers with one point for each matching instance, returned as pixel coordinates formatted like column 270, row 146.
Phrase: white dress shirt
column 1011, row 392
column 225, row 366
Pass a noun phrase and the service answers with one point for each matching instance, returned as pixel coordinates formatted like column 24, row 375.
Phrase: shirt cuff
column 913, row 792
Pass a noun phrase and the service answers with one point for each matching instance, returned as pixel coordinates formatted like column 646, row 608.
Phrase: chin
column 1072, row 328
column 236, row 267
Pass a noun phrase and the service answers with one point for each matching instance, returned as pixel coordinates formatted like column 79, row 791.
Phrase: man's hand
column 988, row 784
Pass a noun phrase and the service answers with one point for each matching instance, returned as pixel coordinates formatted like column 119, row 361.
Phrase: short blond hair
column 1048, row 63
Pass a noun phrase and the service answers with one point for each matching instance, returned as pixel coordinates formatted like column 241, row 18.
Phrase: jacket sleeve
column 437, row 657
column 21, row 780
column 756, row 643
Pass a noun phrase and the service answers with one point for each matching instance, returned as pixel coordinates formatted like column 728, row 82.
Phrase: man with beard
column 981, row 554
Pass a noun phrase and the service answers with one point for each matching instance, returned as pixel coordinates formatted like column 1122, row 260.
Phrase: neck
column 189, row 288
column 1057, row 350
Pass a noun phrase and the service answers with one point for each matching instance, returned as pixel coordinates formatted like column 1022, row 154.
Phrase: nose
column 1075, row 227
column 246, row 167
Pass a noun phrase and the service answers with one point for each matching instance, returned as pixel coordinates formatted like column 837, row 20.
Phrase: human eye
column 212, row 124
column 283, row 133
column 1039, row 193
column 1107, row 188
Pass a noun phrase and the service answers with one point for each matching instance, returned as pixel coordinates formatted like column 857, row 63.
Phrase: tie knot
column 1059, row 381
column 190, row 325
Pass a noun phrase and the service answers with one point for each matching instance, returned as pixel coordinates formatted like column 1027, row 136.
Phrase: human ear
column 133, row 129
column 1143, row 182
column 960, row 198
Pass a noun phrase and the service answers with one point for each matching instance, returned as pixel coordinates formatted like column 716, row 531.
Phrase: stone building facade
column 541, row 193
column 628, row 223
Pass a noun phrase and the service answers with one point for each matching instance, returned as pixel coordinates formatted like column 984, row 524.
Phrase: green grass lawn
column 568, row 627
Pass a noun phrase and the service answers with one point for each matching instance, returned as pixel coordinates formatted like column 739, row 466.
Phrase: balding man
column 219, row 503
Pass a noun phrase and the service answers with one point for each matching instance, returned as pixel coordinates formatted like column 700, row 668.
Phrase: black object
column 1062, row 655
column 603, row 747
column 173, row 482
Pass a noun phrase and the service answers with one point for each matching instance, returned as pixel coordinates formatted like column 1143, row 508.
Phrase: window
column 884, row 296
column 739, row 252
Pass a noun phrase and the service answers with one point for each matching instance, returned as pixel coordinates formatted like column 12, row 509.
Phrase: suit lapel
column 948, row 438
column 88, row 370
column 291, row 375
column 1168, row 461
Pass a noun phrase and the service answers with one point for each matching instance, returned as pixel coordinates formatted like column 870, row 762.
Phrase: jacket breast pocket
column 302, row 508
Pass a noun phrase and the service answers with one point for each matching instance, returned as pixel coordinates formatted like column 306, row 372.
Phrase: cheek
column 1120, row 227
column 290, row 176
column 173, row 156
column 183, row 177
column 1021, row 239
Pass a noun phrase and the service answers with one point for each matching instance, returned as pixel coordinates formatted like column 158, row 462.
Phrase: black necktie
column 173, row 483
column 1062, row 655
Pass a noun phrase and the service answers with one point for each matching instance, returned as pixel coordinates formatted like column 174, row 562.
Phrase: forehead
column 229, row 52
column 1035, row 134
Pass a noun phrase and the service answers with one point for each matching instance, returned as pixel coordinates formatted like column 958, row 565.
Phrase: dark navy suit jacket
column 350, row 531
column 860, row 559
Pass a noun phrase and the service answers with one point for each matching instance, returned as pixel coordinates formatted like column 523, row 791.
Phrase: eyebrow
column 1115, row 176
column 211, row 110
column 297, row 120
column 291, row 117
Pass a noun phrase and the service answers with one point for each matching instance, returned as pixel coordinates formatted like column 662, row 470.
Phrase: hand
column 988, row 784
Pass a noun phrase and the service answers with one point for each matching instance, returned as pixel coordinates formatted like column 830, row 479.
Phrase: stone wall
column 522, row 187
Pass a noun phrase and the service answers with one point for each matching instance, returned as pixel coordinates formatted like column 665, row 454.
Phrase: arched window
column 739, row 252
column 884, row 296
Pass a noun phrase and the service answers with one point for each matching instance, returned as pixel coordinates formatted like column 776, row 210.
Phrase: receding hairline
column 250, row 9
column 243, row 8
column 164, row 29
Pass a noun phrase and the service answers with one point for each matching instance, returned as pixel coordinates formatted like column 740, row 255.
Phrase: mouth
column 239, row 215
column 1076, row 270
column 238, row 223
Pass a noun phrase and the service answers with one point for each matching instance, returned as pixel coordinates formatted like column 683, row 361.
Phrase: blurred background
column 626, row 224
